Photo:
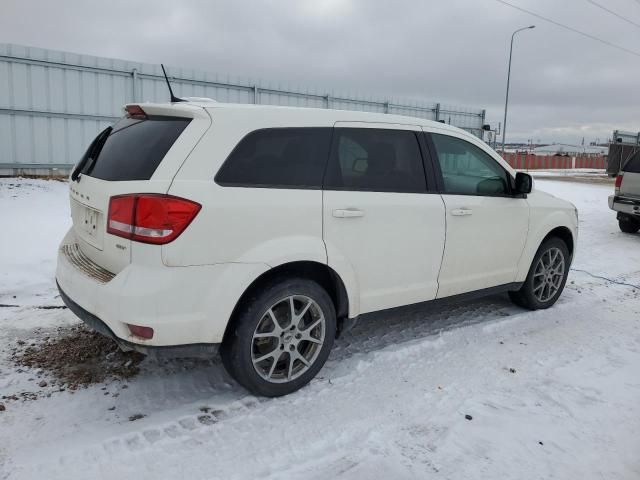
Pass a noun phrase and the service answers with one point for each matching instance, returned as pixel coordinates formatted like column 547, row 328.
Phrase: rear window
column 633, row 165
column 278, row 157
column 134, row 148
column 372, row 159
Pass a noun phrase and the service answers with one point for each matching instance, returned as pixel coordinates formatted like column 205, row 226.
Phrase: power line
column 614, row 13
column 571, row 29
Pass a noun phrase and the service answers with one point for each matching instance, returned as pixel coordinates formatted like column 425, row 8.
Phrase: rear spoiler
column 182, row 109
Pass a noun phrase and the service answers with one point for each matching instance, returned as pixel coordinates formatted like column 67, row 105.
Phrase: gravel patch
column 76, row 357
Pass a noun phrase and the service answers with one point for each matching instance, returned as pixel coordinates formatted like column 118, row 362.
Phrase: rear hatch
column 141, row 153
column 630, row 186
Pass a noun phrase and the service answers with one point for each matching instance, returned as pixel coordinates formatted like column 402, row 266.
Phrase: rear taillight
column 150, row 218
column 618, row 183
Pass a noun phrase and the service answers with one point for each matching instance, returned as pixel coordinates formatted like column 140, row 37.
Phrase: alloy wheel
column 288, row 339
column 548, row 275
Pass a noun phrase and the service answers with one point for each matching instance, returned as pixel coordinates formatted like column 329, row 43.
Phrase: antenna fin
column 174, row 99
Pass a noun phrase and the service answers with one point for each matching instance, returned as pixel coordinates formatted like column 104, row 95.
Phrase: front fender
column 542, row 223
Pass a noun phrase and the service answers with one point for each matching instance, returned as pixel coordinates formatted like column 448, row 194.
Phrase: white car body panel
column 485, row 235
column 405, row 249
column 183, row 305
column 483, row 247
column 394, row 250
column 546, row 213
column 230, row 227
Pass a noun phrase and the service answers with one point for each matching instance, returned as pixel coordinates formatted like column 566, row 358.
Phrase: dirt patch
column 76, row 357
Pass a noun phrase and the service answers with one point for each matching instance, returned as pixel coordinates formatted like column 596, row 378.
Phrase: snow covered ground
column 551, row 394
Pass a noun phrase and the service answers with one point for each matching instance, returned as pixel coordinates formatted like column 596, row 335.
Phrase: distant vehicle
column 622, row 147
column 265, row 231
column 626, row 199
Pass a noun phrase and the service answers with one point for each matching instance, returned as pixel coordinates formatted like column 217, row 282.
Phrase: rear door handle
column 348, row 213
column 461, row 212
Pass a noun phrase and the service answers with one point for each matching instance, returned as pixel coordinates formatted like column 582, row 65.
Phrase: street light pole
column 506, row 100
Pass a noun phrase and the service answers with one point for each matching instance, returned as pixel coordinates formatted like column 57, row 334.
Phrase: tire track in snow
column 384, row 337
column 349, row 356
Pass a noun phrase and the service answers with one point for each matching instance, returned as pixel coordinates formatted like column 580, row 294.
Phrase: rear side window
column 373, row 159
column 134, row 148
column 633, row 165
column 278, row 157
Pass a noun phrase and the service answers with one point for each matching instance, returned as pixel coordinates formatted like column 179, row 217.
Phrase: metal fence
column 53, row 103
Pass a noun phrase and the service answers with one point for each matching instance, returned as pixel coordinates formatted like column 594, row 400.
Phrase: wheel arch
column 552, row 229
column 564, row 234
column 324, row 275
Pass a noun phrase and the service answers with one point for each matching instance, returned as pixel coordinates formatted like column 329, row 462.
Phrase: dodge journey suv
column 263, row 232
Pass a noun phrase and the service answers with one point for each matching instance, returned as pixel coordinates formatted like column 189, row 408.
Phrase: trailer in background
column 623, row 147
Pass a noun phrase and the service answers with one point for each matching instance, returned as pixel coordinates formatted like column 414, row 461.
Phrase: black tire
column 526, row 297
column 629, row 225
column 239, row 348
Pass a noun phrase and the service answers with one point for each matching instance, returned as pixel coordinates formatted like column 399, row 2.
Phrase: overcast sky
column 563, row 86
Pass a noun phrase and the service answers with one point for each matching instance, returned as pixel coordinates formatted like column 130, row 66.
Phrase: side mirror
column 524, row 182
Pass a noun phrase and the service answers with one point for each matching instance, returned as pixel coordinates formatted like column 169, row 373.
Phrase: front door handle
column 461, row 212
column 348, row 213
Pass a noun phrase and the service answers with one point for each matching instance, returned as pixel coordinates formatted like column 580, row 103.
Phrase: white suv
column 266, row 231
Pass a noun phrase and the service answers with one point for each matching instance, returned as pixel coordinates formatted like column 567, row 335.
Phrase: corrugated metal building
column 570, row 150
column 53, row 103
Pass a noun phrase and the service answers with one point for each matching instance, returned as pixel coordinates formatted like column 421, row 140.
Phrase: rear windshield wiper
column 91, row 155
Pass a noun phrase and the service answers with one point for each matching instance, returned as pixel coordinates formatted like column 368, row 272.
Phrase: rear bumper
column 630, row 206
column 205, row 350
column 186, row 306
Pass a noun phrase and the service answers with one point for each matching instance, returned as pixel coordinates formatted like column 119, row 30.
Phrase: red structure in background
column 529, row 161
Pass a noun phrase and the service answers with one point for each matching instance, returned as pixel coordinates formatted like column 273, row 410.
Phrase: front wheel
column 547, row 276
column 281, row 337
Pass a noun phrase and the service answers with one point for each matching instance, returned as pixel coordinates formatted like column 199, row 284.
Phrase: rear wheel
column 547, row 276
column 629, row 225
column 281, row 337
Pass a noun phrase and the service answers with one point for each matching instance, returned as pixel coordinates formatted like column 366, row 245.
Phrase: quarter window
column 374, row 159
column 467, row 169
column 278, row 157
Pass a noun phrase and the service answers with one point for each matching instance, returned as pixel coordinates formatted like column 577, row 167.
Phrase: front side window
column 467, row 169
column 278, row 157
column 373, row 159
